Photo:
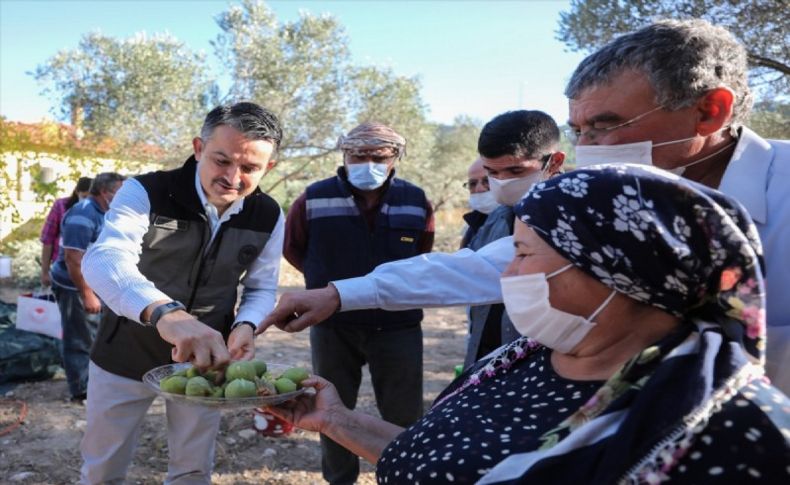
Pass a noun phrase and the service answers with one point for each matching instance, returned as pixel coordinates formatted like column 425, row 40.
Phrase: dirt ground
column 45, row 448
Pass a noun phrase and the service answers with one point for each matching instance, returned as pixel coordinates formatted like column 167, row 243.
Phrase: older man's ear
column 714, row 110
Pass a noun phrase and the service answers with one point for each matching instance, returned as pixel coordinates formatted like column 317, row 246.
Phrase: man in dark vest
column 175, row 247
column 345, row 226
column 518, row 149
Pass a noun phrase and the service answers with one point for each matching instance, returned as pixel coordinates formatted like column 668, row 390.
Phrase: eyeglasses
column 575, row 134
column 472, row 184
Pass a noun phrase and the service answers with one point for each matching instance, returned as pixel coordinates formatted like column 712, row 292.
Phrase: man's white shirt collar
column 746, row 177
column 211, row 212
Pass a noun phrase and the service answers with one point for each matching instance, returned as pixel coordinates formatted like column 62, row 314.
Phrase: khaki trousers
column 115, row 409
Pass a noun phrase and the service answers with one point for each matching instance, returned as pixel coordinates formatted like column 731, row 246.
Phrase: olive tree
column 135, row 92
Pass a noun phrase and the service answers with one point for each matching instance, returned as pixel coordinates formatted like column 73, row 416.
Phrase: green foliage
column 382, row 96
column 137, row 91
column 26, row 262
column 444, row 170
column 298, row 70
column 302, row 71
column 29, row 146
column 46, row 190
column 29, row 230
column 8, row 182
column 763, row 26
column 567, row 147
column 152, row 91
column 771, row 120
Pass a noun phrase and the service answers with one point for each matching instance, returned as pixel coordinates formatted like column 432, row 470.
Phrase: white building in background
column 18, row 201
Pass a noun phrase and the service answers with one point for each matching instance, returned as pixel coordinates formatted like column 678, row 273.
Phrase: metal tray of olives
column 153, row 376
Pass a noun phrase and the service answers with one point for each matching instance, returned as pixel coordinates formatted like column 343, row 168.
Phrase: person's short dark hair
column 252, row 120
column 83, row 184
column 523, row 134
column 105, row 181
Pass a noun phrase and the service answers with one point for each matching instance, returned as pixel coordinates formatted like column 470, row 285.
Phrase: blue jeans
column 79, row 330
column 394, row 358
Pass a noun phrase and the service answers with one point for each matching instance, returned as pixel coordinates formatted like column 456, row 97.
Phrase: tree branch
column 761, row 61
column 310, row 159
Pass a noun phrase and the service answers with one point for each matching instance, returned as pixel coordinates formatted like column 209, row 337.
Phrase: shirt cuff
column 135, row 300
column 250, row 315
column 356, row 293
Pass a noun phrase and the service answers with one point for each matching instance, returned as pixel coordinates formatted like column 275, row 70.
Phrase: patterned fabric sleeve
column 51, row 229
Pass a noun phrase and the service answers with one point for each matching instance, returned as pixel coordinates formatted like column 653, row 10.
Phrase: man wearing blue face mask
column 344, row 226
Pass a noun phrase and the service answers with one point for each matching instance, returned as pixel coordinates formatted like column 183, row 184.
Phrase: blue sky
column 472, row 57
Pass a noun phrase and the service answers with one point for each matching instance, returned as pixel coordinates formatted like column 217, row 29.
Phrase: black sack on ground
column 24, row 356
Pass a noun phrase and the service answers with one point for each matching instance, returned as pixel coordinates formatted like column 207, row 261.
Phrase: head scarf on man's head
column 659, row 239
column 372, row 135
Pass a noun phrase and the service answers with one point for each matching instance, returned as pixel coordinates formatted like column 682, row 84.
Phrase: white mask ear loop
column 556, row 272
column 603, row 305
column 725, row 147
column 672, row 142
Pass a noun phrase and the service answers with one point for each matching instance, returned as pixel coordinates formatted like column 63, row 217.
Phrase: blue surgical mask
column 368, row 175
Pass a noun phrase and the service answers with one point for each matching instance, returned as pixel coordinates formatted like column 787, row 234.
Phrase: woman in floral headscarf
column 643, row 297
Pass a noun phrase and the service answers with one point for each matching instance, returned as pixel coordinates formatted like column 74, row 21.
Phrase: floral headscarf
column 678, row 246
column 659, row 239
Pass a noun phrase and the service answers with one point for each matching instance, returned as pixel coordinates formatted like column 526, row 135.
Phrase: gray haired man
column 673, row 94
column 175, row 247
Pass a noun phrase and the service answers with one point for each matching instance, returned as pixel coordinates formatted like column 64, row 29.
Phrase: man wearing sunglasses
column 673, row 94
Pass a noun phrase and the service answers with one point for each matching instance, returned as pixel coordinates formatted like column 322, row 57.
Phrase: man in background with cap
column 344, row 226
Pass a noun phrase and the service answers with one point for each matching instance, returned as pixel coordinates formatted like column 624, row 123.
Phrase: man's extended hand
column 298, row 310
column 241, row 343
column 194, row 341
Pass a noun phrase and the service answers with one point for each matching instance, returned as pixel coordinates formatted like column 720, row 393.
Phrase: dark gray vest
column 181, row 262
column 341, row 245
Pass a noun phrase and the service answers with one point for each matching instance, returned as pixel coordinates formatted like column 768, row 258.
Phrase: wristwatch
column 163, row 310
column 243, row 322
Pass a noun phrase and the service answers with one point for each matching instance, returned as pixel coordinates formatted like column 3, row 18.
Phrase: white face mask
column 510, row 191
column 483, row 202
column 526, row 299
column 367, row 176
column 640, row 152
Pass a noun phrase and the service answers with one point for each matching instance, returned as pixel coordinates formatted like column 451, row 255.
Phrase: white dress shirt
column 758, row 176
column 110, row 265
column 429, row 280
